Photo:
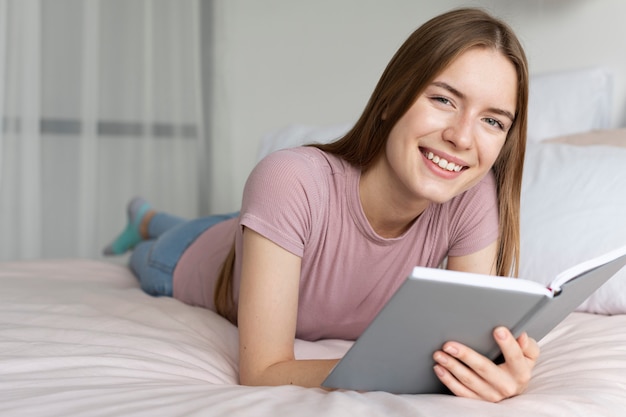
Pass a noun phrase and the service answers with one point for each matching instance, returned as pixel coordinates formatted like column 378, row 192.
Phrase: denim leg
column 162, row 222
column 153, row 280
column 153, row 261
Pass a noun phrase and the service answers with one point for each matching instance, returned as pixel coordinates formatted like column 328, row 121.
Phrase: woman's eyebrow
column 460, row 95
column 448, row 87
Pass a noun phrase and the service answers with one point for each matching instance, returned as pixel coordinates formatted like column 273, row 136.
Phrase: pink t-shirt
column 307, row 202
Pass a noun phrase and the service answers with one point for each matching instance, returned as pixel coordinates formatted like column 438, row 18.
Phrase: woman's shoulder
column 288, row 170
column 306, row 159
column 286, row 194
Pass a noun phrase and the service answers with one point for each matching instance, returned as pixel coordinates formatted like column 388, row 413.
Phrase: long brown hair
column 427, row 52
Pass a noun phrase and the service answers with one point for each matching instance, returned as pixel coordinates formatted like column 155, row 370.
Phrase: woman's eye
column 442, row 100
column 493, row 122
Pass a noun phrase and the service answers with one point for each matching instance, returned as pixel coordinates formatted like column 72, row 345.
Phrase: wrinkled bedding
column 79, row 338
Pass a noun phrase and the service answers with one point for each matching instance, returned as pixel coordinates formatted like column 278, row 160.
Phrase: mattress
column 80, row 338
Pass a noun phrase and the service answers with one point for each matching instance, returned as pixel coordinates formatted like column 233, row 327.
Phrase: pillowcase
column 297, row 135
column 567, row 102
column 573, row 209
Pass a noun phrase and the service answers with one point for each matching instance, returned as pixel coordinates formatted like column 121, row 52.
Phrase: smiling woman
column 327, row 233
column 460, row 119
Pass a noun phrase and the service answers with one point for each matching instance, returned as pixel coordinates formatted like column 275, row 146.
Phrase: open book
column 434, row 306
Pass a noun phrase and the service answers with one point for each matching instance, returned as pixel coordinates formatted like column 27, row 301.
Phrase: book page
column 479, row 280
column 577, row 270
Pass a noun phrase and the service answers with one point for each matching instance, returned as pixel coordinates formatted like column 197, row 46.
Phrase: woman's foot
column 137, row 209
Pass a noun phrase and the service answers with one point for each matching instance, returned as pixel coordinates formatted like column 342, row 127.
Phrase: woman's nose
column 459, row 132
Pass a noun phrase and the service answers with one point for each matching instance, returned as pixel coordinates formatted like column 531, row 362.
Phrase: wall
column 278, row 62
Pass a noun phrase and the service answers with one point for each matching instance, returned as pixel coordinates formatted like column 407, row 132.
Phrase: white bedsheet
column 79, row 338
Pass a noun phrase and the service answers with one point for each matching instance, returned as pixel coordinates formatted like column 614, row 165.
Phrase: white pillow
column 573, row 209
column 567, row 102
column 297, row 135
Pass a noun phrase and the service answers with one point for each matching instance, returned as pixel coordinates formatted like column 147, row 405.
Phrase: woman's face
column 452, row 134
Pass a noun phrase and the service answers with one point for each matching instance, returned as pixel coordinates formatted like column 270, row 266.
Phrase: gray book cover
column 433, row 306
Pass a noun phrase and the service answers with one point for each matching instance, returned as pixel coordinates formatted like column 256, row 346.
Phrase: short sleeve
column 474, row 218
column 282, row 195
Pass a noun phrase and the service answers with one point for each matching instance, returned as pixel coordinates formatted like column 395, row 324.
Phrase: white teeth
column 443, row 164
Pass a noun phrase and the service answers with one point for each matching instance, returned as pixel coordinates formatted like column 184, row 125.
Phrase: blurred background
column 101, row 100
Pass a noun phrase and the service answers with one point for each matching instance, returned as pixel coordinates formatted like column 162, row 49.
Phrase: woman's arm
column 268, row 308
column 469, row 374
column 480, row 262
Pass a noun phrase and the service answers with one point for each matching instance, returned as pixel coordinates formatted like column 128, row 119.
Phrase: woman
column 430, row 172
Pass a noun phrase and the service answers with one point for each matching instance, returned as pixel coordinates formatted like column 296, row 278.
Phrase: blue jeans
column 153, row 261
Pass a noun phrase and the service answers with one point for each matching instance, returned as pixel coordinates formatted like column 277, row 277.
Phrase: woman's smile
column 450, row 137
column 443, row 162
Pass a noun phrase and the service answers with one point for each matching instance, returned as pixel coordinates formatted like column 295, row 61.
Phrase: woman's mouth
column 443, row 163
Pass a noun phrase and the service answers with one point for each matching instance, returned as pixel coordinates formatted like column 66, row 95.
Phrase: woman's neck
column 389, row 212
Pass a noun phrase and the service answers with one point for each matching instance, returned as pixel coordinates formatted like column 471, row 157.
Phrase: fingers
column 450, row 381
column 461, row 380
column 468, row 374
column 519, row 355
column 529, row 346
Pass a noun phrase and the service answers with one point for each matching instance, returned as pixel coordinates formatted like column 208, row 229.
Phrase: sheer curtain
column 100, row 100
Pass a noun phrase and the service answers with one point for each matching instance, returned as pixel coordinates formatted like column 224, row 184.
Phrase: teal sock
column 130, row 236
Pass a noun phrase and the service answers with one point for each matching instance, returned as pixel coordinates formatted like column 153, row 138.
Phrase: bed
column 79, row 338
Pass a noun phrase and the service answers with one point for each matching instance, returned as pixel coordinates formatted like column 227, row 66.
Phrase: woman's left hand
column 469, row 374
